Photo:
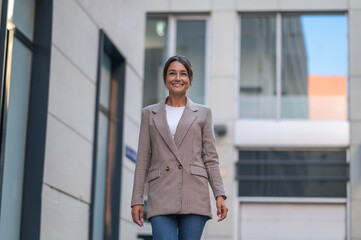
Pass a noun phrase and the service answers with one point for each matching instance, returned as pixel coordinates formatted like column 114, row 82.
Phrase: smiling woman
column 177, row 157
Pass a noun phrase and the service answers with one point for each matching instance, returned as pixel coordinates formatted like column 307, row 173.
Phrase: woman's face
column 177, row 79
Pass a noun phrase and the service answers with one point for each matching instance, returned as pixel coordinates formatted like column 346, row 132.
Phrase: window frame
column 113, row 176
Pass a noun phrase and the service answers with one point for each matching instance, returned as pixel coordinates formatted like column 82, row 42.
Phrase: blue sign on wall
column 130, row 153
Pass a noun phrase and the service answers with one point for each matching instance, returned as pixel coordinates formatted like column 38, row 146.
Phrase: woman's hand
column 221, row 208
column 137, row 213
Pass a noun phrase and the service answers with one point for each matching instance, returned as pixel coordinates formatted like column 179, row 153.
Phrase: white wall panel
column 76, row 35
column 68, row 160
column 133, row 97
column 63, row 217
column 297, row 133
column 223, row 43
column 190, row 5
column 124, row 23
column 355, row 4
column 354, row 42
column 223, row 88
column 71, row 95
column 157, row 5
column 355, row 98
column 127, row 188
column 313, row 5
column 258, row 5
column 292, row 221
column 128, row 230
column 223, row 5
column 355, row 133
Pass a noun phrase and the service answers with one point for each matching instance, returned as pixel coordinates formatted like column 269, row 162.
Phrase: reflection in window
column 294, row 70
column 258, row 67
column 191, row 42
column 102, row 148
column 22, row 14
column 312, row 83
column 155, row 58
column 314, row 66
column 292, row 173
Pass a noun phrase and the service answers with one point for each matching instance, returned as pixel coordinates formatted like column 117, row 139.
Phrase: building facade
column 281, row 77
column 283, row 82
column 72, row 75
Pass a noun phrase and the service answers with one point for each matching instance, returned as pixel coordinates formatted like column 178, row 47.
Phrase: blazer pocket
column 198, row 170
column 153, row 174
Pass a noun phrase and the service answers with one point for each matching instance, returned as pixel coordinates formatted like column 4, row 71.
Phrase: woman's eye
column 184, row 74
column 172, row 73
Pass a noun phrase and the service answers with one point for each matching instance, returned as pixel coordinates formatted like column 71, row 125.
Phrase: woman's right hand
column 137, row 213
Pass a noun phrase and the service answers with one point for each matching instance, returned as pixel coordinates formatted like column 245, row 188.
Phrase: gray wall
column 355, row 115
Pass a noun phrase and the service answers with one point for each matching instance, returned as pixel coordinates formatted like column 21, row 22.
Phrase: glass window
column 22, row 14
column 102, row 149
column 292, row 173
column 155, row 58
column 191, row 42
column 258, row 67
column 293, row 66
column 314, row 66
column 108, row 144
column 188, row 39
column 15, row 139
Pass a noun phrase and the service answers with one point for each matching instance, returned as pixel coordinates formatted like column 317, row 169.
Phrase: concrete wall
column 69, row 148
column 224, row 76
column 355, row 115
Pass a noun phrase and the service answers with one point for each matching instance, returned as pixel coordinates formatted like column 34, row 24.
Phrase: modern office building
column 284, row 83
column 71, row 85
column 281, row 76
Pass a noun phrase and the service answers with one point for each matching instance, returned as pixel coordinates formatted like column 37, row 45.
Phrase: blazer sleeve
column 210, row 157
column 143, row 160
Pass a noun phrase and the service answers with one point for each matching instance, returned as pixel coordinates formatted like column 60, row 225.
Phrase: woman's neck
column 176, row 101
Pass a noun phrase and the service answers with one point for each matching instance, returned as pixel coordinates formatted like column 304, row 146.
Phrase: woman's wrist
column 221, row 196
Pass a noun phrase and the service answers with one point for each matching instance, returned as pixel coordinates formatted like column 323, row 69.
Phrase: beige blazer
column 177, row 171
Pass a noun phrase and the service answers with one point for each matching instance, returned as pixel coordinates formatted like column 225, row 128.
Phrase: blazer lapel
column 186, row 121
column 160, row 121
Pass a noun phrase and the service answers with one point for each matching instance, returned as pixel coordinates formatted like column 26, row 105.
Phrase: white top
column 174, row 114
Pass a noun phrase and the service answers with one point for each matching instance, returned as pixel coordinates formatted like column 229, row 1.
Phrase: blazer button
column 180, row 166
column 167, row 168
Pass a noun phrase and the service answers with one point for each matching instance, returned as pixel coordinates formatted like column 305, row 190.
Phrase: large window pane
column 314, row 67
column 292, row 173
column 15, row 141
column 258, row 67
column 191, row 42
column 155, row 58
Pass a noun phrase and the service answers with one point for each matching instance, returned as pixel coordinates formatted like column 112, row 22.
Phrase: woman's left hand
column 221, row 208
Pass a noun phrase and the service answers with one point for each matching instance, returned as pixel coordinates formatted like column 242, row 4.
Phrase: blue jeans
column 178, row 226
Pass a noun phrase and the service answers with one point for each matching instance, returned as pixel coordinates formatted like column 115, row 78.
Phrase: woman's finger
column 223, row 214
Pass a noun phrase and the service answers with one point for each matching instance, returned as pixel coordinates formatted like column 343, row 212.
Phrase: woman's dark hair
column 183, row 60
